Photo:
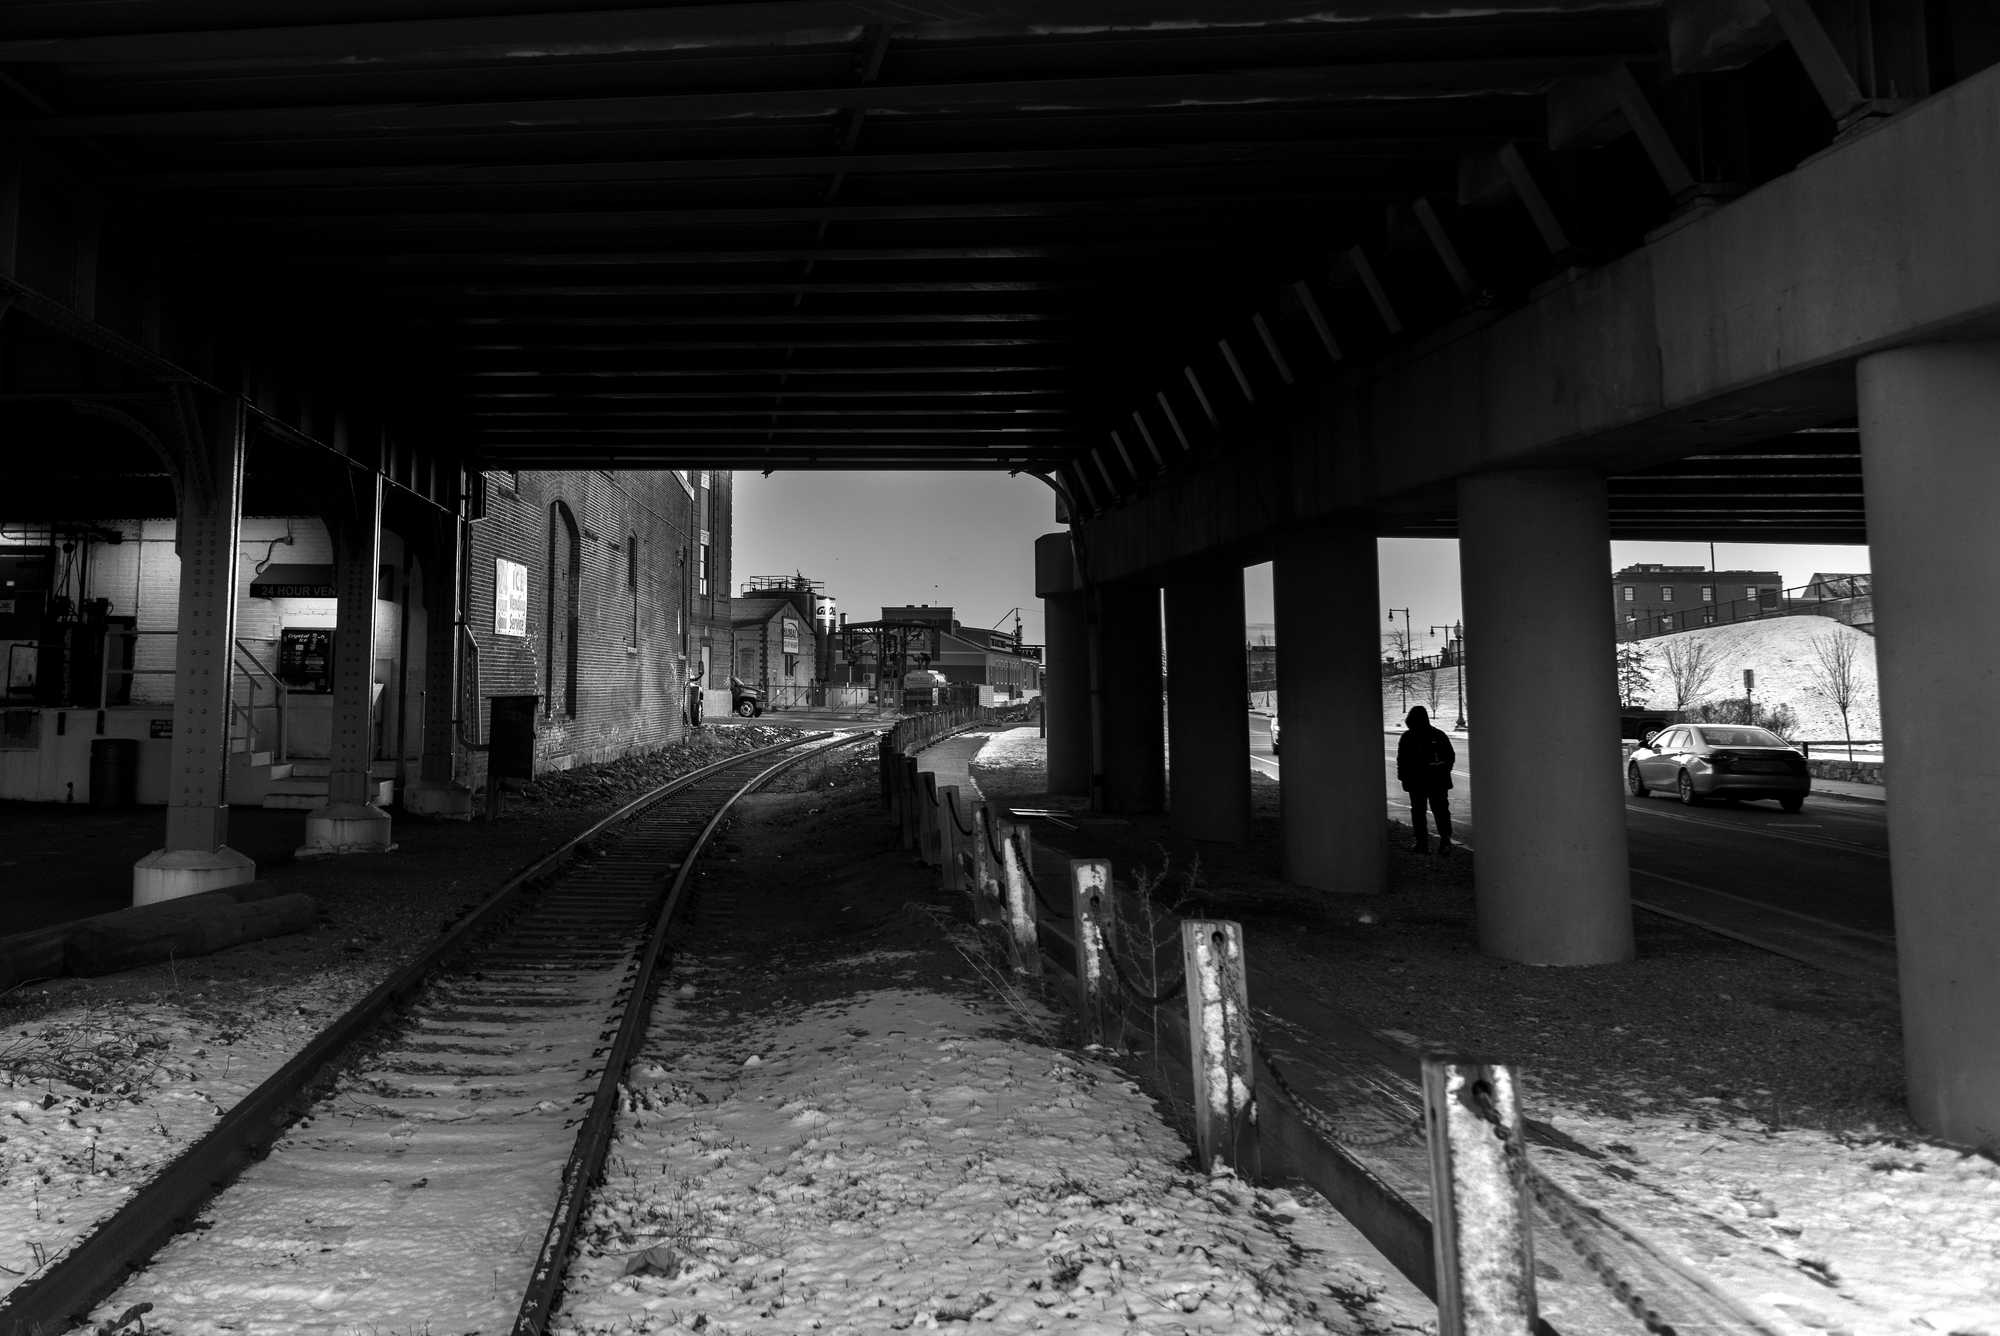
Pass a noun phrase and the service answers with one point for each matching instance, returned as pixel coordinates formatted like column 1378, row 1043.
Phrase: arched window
column 565, row 577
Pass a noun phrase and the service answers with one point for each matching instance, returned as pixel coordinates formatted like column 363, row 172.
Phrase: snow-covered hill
column 1778, row 649
column 1781, row 652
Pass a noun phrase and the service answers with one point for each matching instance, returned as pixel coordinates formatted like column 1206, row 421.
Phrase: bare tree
column 1433, row 688
column 1834, row 676
column 1635, row 678
column 1691, row 666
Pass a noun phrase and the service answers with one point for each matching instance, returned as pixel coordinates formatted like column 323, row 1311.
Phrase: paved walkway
column 951, row 760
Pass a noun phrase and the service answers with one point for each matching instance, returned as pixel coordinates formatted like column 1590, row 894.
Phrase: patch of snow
column 906, row 1165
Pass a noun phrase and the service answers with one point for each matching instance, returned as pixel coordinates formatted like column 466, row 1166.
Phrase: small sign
column 159, row 728
column 1749, row 678
column 790, row 636
column 305, row 658
column 510, row 598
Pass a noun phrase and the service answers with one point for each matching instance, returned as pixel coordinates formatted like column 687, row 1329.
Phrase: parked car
column 1274, row 735
column 1697, row 761
column 745, row 699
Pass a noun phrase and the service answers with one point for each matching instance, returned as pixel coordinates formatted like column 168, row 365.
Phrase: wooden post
column 883, row 759
column 929, row 837
column 1024, row 940
column 911, row 796
column 986, row 892
column 950, row 839
column 1479, row 1206
column 1218, row 1003
column 1099, row 1003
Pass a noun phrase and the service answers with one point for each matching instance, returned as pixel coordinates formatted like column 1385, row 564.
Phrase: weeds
column 94, row 1053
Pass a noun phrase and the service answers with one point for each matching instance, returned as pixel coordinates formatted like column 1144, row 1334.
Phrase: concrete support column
column 1331, row 799
column 196, row 856
column 1066, row 692
column 1931, row 471
column 350, row 822
column 1553, row 882
column 437, row 791
column 1208, row 729
column 1066, row 720
column 1131, row 759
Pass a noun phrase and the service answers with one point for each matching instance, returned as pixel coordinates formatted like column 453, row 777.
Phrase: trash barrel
column 114, row 772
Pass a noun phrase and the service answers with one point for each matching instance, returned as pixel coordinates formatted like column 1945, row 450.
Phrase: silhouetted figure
column 1423, row 765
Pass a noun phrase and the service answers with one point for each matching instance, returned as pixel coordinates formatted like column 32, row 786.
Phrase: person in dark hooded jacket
column 1423, row 766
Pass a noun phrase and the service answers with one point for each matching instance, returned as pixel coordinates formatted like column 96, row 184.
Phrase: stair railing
column 255, row 674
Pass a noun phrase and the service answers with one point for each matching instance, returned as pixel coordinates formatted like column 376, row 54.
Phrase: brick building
column 1653, row 599
column 601, row 595
column 776, row 648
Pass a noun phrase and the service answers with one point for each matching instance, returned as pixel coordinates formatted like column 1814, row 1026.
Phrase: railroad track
column 422, row 1164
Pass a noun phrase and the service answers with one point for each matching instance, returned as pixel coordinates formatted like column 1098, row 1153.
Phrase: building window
column 1630, row 593
column 1708, row 616
column 1666, row 593
column 791, row 665
column 632, row 585
column 1666, row 621
column 705, row 549
column 1708, row 593
column 1751, row 593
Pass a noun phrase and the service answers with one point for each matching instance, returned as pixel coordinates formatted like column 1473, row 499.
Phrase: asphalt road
column 1812, row 883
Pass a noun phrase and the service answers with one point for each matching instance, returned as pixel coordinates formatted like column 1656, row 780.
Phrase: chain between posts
column 1140, row 995
column 963, row 829
column 1321, row 1123
column 1028, row 871
column 1565, row 1218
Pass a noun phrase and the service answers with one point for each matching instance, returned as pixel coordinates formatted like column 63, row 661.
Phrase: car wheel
column 1686, row 786
column 1792, row 802
column 1634, row 785
column 747, row 708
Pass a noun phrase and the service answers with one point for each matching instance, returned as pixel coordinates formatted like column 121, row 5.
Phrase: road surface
column 1814, row 884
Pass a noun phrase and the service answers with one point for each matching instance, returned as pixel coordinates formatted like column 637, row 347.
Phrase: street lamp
column 1402, row 674
column 1454, row 641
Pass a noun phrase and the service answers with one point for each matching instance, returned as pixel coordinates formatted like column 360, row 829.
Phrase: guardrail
column 1798, row 601
column 1473, row 1254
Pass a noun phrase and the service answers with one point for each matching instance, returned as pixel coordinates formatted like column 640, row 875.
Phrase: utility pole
column 1454, row 643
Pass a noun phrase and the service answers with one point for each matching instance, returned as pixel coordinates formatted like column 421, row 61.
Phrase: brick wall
column 626, row 689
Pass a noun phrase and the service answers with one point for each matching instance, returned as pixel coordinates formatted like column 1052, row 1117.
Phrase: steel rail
column 97, row 1264
column 593, row 1138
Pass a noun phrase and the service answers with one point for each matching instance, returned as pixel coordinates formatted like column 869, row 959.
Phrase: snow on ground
column 899, row 1158
column 895, row 1160
column 1815, row 1233
column 92, row 1100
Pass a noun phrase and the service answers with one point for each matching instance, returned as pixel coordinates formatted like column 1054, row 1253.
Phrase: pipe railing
column 246, row 663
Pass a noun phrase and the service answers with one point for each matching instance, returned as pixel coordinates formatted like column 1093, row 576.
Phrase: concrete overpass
column 1241, row 281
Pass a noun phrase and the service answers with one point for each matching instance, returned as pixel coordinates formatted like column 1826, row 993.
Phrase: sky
column 875, row 540
column 967, row 540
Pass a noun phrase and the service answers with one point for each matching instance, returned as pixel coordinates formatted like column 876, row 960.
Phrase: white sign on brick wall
column 510, row 598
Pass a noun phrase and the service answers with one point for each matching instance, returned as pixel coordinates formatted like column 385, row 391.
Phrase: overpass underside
column 1240, row 281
